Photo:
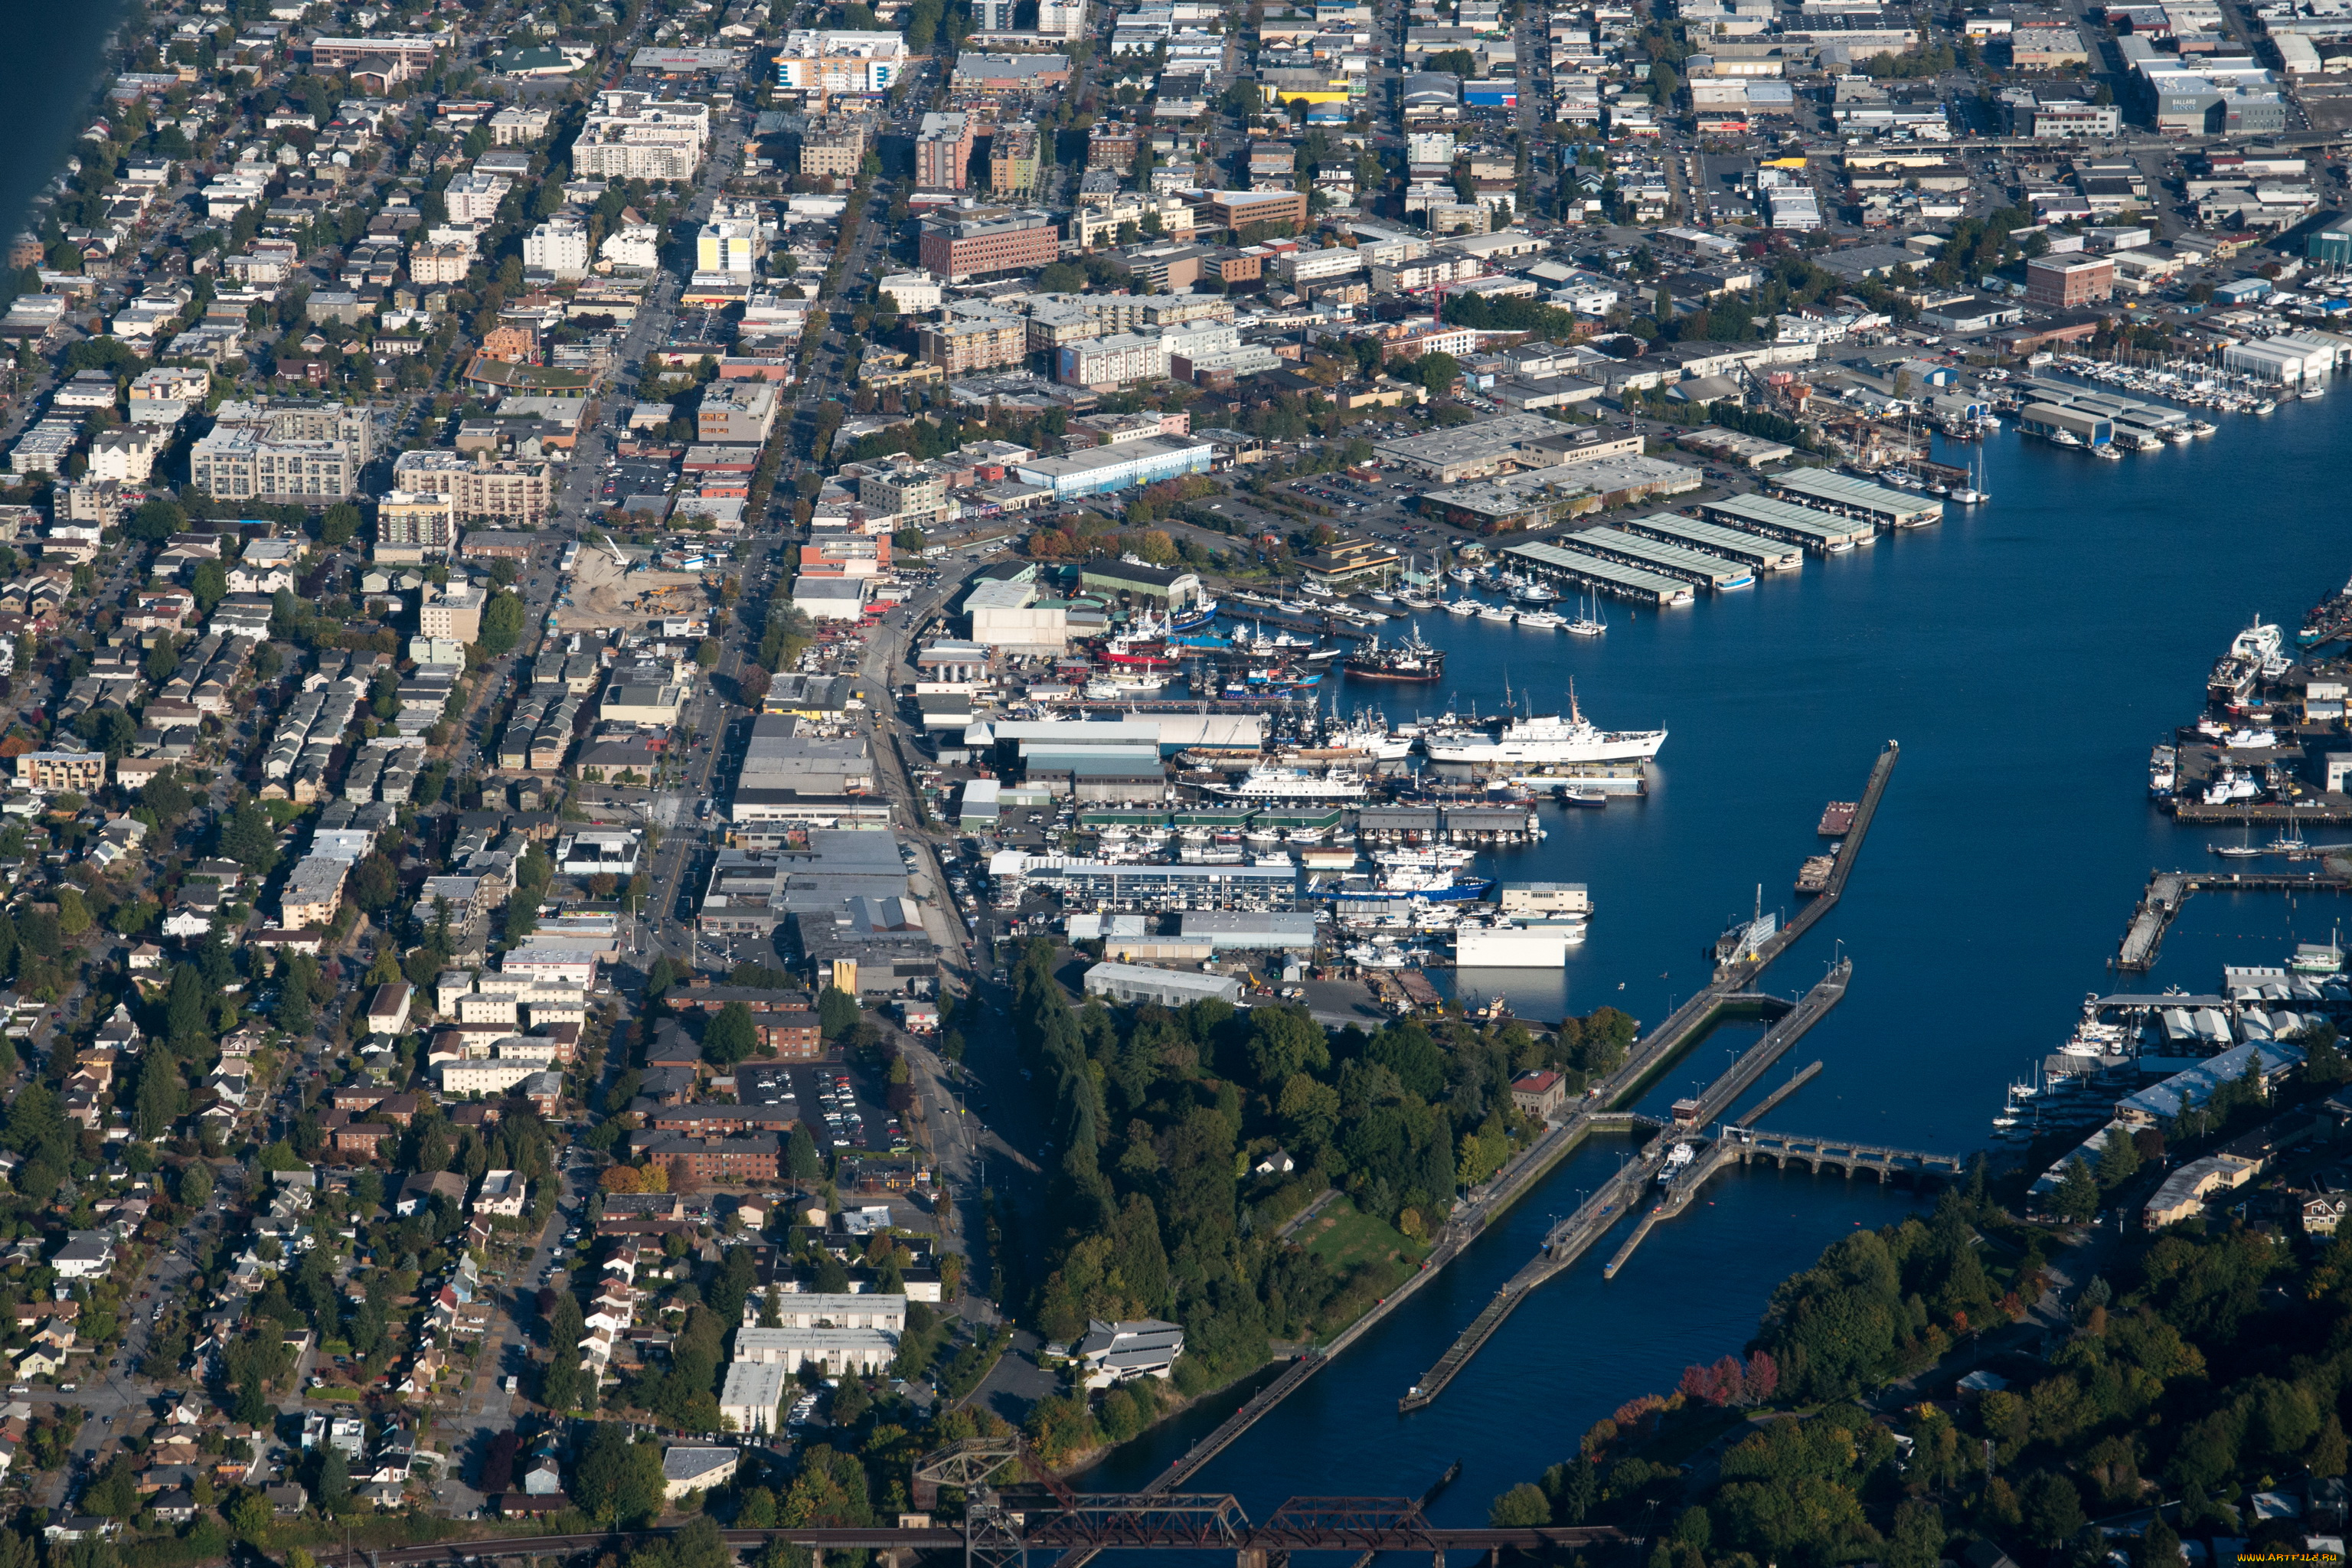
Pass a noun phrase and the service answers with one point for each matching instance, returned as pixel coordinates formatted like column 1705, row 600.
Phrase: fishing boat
column 1194, row 618
column 2311, row 958
column 1411, row 660
column 1583, row 795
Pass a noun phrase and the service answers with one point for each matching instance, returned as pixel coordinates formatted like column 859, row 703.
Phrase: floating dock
column 1714, row 538
column 1818, row 530
column 1674, row 560
column 1882, row 506
column 1640, row 585
column 2168, row 890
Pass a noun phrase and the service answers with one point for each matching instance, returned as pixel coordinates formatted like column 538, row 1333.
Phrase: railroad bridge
column 1749, row 1145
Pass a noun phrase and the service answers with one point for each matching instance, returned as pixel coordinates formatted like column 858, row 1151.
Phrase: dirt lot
column 602, row 597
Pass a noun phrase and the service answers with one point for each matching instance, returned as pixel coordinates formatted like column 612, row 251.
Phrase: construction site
column 606, row 589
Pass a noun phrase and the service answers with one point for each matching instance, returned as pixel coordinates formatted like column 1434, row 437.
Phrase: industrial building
column 1115, row 468
column 1163, row 987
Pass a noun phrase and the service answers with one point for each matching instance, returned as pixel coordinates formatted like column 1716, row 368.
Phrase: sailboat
column 1585, row 626
column 2245, row 851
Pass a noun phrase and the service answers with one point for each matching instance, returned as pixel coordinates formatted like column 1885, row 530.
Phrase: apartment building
column 509, row 491
column 413, row 526
column 736, row 412
column 943, row 145
column 840, row 62
column 973, row 341
column 630, row 136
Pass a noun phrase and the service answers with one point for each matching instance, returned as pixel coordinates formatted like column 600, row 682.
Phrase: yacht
column 1546, row 738
column 1542, row 620
column 1463, row 606
column 1315, row 590
column 1495, row 613
column 1283, row 783
column 1533, row 593
column 1591, row 621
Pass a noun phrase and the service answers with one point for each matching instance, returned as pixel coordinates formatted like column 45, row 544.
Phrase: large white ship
column 1546, row 738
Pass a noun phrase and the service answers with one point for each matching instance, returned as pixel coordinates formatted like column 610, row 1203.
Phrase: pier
column 1771, row 1101
column 2168, row 890
column 1683, row 1027
column 1741, row 1075
column 1598, row 1215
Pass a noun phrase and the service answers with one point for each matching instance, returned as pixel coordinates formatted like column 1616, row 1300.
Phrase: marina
column 1822, row 532
column 1696, row 566
column 1637, row 584
column 1752, row 550
column 1879, row 505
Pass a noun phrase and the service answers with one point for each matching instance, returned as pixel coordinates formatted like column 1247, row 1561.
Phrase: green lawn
column 1343, row 1235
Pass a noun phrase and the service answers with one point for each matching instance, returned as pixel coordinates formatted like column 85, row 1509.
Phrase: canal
column 2028, row 654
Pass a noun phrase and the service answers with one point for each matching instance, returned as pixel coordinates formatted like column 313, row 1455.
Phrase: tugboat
column 1411, row 660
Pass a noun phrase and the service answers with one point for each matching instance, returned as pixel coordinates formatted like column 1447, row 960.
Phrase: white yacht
column 1495, row 613
column 1463, row 606
column 1281, row 784
column 1542, row 620
column 1546, row 738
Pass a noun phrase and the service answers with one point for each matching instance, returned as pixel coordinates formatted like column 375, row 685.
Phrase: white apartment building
column 1113, row 360
column 559, row 246
column 475, row 198
column 630, row 136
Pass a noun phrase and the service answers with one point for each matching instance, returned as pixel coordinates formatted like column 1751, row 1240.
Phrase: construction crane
column 618, row 559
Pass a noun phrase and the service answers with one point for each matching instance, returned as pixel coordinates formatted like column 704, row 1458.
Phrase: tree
column 248, row 839
column 210, row 585
column 502, row 624
column 1523, row 1506
column 2077, row 1197
column 801, row 1157
column 2118, row 1161
column 155, row 521
column 338, row 524
column 731, row 1036
column 195, row 1184
column 621, row 1481
column 162, row 1096
column 333, row 1483
column 1439, row 372
column 837, row 1012
column 2053, row 1509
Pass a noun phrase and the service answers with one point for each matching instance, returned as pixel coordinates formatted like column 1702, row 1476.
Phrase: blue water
column 47, row 75
column 2028, row 654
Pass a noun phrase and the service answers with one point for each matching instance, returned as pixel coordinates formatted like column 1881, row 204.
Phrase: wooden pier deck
column 2167, row 891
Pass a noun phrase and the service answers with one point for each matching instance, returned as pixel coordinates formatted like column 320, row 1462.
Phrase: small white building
column 748, row 1400
column 1142, row 1347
